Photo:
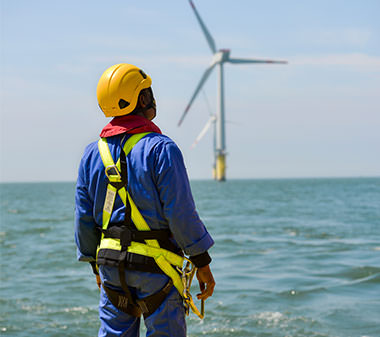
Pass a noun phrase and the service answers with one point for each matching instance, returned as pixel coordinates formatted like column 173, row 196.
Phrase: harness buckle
column 143, row 306
column 113, row 173
column 125, row 237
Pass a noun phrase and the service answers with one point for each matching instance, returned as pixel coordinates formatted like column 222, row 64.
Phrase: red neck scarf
column 130, row 124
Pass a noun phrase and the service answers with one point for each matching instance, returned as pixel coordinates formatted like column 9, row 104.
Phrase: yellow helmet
column 119, row 87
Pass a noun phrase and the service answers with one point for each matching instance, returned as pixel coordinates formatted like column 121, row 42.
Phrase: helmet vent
column 123, row 104
column 143, row 74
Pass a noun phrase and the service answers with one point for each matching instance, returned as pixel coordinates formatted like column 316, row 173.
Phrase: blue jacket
column 158, row 184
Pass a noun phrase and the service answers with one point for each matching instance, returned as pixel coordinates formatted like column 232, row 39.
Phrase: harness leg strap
column 121, row 301
column 146, row 306
column 150, row 304
column 130, row 307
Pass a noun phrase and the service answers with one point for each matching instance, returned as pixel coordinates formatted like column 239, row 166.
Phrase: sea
column 292, row 257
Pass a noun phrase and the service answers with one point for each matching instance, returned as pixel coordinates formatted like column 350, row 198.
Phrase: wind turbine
column 211, row 121
column 220, row 57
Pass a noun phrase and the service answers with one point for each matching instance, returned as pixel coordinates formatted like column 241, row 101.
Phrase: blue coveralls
column 159, row 186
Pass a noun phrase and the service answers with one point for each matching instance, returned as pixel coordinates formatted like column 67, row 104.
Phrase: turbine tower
column 220, row 57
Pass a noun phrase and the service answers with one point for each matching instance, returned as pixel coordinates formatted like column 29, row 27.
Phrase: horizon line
column 211, row 179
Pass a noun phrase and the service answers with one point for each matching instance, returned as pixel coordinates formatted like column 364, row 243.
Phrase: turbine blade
column 208, row 36
column 199, row 87
column 236, row 60
column 204, row 131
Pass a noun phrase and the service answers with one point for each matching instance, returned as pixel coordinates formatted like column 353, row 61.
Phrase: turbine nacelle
column 221, row 56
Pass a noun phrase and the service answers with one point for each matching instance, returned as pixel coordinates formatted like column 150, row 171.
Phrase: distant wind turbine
column 220, row 57
column 211, row 121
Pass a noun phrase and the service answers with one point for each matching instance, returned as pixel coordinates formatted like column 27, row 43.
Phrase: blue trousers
column 167, row 321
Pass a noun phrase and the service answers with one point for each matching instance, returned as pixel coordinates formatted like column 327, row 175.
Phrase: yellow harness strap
column 165, row 259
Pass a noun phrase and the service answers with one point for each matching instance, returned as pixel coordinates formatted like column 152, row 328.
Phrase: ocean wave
column 54, row 220
column 360, row 274
column 269, row 318
column 81, row 310
column 265, row 323
column 16, row 211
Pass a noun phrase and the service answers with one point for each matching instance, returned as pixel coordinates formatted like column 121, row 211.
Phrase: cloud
column 348, row 37
column 158, row 60
column 352, row 37
column 354, row 60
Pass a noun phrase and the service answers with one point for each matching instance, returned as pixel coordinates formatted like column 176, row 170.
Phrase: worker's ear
column 143, row 99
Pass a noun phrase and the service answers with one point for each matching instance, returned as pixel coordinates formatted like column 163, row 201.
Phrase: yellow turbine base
column 220, row 170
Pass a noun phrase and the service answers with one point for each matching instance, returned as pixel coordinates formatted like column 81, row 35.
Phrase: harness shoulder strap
column 106, row 154
column 113, row 173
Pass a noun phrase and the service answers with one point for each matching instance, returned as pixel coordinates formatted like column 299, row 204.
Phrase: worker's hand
column 98, row 281
column 206, row 282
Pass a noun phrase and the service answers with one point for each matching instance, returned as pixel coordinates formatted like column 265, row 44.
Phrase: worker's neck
column 148, row 114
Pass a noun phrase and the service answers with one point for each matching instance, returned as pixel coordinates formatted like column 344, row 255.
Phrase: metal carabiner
column 188, row 272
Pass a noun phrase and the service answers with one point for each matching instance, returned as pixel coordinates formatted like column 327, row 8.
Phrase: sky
column 317, row 116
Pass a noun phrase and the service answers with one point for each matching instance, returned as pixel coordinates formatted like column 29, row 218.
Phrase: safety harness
column 133, row 245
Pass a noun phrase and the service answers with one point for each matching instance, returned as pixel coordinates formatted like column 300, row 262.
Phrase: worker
column 134, row 206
